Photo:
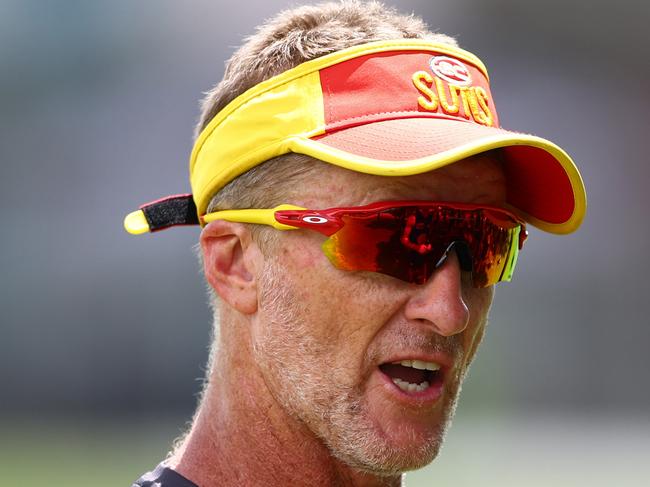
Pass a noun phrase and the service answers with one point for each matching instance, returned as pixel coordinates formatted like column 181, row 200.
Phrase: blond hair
column 281, row 43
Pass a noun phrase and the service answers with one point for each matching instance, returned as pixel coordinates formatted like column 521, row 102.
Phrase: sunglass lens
column 410, row 242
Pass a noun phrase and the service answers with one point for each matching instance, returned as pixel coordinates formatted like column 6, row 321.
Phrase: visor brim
column 544, row 186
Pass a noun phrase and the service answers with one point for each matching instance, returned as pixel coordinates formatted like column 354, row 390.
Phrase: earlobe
column 229, row 256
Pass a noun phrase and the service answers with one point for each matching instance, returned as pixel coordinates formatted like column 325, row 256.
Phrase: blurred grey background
column 103, row 336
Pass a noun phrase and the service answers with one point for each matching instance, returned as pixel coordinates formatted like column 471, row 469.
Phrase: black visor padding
column 171, row 211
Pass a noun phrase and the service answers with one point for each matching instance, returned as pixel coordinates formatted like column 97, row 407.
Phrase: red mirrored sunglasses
column 405, row 239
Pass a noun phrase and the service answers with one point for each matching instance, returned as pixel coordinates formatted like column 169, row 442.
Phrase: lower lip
column 430, row 395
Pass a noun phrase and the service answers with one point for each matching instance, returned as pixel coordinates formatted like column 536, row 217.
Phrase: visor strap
column 171, row 211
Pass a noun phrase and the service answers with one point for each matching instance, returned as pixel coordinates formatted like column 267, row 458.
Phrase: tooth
column 432, row 366
column 401, row 384
column 412, row 387
column 418, row 364
column 424, row 385
column 406, row 363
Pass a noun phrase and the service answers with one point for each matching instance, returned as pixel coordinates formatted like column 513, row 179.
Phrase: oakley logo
column 451, row 70
column 314, row 219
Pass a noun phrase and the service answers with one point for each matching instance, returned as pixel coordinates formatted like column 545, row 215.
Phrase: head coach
column 359, row 201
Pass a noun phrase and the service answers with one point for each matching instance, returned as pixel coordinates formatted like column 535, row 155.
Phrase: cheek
column 312, row 288
column 343, row 310
column 300, row 251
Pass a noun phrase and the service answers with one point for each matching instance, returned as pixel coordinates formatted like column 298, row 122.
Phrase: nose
column 440, row 301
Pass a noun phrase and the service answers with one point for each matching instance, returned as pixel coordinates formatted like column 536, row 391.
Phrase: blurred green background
column 103, row 337
column 481, row 450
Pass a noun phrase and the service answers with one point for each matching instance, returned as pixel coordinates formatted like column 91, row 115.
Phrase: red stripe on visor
column 403, row 84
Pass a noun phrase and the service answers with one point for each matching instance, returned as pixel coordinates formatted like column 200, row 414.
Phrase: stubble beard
column 298, row 370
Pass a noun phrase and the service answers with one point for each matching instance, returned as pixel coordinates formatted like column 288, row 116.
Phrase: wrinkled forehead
column 478, row 179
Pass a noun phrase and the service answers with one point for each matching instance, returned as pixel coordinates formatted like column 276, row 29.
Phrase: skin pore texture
column 295, row 395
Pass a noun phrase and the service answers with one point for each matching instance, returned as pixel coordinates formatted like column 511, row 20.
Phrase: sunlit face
column 324, row 337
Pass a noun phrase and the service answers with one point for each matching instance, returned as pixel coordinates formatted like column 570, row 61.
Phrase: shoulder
column 163, row 476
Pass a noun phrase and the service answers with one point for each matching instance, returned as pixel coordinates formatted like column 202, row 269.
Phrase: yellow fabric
column 257, row 131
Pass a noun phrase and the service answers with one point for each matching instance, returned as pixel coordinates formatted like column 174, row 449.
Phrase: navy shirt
column 163, row 477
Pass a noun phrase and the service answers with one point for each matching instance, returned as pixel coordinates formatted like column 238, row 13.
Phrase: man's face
column 323, row 336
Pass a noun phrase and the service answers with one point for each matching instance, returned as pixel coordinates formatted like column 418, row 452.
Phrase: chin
column 390, row 460
column 389, row 450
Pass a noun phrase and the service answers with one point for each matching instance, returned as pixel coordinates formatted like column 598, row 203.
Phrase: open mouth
column 413, row 376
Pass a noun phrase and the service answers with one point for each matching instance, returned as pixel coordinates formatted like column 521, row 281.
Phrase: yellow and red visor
column 390, row 108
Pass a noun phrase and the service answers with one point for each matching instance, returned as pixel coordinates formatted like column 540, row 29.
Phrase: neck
column 241, row 436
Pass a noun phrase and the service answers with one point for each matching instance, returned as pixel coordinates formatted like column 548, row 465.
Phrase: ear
column 230, row 262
